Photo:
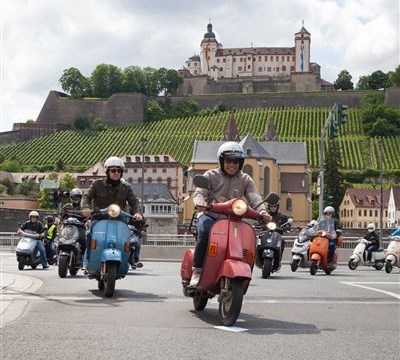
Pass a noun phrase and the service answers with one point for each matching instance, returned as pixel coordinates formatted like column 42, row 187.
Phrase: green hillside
column 176, row 136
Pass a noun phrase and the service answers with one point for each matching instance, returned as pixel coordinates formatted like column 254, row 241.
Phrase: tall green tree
column 394, row 76
column 106, row 80
column 343, row 81
column 74, row 83
column 334, row 182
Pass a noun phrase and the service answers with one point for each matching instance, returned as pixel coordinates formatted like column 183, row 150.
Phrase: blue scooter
column 109, row 248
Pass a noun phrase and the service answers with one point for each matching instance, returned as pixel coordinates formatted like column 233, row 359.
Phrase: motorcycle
column 377, row 257
column 26, row 251
column 393, row 254
column 300, row 250
column 69, row 249
column 269, row 250
column 324, row 231
column 109, row 248
column 229, row 259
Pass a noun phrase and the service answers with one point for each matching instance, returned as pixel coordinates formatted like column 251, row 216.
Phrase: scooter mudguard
column 297, row 257
column 355, row 258
column 187, row 263
column 236, row 269
column 391, row 258
column 111, row 255
column 316, row 257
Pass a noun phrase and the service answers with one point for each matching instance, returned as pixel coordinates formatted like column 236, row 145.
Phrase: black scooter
column 269, row 248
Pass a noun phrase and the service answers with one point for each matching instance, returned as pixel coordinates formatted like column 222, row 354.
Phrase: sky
column 41, row 38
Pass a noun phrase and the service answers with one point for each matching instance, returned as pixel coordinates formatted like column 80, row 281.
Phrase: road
column 346, row 315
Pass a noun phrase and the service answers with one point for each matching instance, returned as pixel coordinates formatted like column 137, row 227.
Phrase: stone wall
column 118, row 109
column 10, row 218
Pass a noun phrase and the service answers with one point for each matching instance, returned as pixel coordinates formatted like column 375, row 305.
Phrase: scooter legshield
column 230, row 253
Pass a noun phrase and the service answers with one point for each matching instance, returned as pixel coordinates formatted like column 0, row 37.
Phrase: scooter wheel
column 21, row 265
column 388, row 267
column 294, row 265
column 200, row 302
column 352, row 265
column 379, row 265
column 313, row 267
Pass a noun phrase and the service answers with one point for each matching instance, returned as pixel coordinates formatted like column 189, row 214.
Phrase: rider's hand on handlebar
column 266, row 218
column 20, row 232
column 137, row 217
column 86, row 212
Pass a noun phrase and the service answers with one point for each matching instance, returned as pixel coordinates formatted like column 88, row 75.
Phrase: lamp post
column 144, row 143
column 380, row 143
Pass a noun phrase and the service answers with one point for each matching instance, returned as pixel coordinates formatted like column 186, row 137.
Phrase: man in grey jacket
column 226, row 182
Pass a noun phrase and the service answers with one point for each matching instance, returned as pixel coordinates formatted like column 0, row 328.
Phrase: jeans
column 42, row 251
column 137, row 250
column 331, row 249
column 50, row 250
column 370, row 249
column 204, row 224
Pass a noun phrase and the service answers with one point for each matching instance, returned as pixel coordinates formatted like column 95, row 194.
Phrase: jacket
column 227, row 187
column 101, row 194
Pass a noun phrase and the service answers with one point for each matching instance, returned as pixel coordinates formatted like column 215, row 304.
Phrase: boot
column 195, row 277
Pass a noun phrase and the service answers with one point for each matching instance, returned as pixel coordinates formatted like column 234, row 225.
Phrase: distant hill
column 176, row 137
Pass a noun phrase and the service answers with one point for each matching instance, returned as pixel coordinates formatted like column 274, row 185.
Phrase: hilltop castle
column 254, row 69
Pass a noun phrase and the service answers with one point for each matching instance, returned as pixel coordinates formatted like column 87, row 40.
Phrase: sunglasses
column 116, row 171
column 328, row 214
column 229, row 161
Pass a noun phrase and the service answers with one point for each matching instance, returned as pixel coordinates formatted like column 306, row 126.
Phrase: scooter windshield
column 327, row 224
column 69, row 233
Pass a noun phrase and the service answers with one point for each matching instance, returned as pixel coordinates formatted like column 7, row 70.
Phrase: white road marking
column 358, row 284
column 231, row 328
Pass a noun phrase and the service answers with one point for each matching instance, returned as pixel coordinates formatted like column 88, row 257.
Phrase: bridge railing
column 9, row 241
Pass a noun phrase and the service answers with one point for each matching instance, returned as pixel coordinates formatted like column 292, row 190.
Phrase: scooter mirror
column 290, row 221
column 201, row 181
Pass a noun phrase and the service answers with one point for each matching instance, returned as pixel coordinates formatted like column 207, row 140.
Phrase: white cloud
column 39, row 39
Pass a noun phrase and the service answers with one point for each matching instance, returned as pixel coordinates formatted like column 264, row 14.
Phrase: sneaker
column 45, row 266
column 195, row 279
column 85, row 270
column 138, row 265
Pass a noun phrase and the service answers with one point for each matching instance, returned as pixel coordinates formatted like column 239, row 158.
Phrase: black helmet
column 75, row 196
column 49, row 219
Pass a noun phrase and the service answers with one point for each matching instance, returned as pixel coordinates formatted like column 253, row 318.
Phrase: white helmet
column 329, row 209
column 75, row 196
column 33, row 213
column 230, row 150
column 371, row 227
column 114, row 161
column 313, row 223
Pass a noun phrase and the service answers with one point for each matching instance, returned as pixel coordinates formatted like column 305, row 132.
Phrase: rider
column 227, row 181
column 279, row 219
column 35, row 225
column 329, row 211
column 73, row 209
column 50, row 235
column 111, row 190
column 373, row 241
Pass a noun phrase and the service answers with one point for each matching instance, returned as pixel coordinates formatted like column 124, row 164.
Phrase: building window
column 365, row 212
column 259, row 58
column 128, row 159
column 161, row 210
column 221, row 69
column 166, row 158
column 260, row 69
column 240, row 68
column 271, row 58
column 164, row 171
column 154, row 171
column 282, row 58
column 248, row 170
column 195, row 72
column 138, row 159
column 135, row 171
column 169, row 182
column 265, row 58
column 217, row 60
column 284, row 68
column 234, row 59
column 266, row 180
column 149, row 180
column 147, row 158
column 156, row 158
column 224, row 60
column 359, row 212
column 248, row 58
column 159, row 180
column 289, row 204
column 269, row 69
column 276, row 58
column 287, row 58
column 248, row 67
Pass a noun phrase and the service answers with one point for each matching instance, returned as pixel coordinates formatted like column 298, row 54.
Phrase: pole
column 380, row 143
column 321, row 159
column 144, row 142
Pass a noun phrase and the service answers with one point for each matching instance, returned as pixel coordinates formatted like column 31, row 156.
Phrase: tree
column 11, row 165
column 394, row 76
column 68, row 182
column 133, row 80
column 82, row 123
column 334, row 184
column 168, row 81
column 363, row 83
column 59, row 166
column 343, row 82
column 106, row 80
column 154, row 111
column 377, row 80
column 27, row 187
column 74, row 83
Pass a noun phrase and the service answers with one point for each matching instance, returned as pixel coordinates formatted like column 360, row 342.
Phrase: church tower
column 302, row 42
column 209, row 46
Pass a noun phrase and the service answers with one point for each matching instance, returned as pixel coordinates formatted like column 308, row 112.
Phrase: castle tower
column 302, row 42
column 209, row 46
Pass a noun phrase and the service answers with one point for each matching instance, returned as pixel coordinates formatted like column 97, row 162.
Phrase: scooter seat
column 379, row 250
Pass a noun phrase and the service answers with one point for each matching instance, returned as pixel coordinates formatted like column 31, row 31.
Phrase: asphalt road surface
column 345, row 315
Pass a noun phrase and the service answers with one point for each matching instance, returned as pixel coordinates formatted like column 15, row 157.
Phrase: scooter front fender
column 236, row 269
column 355, row 258
column 111, row 255
column 297, row 257
column 391, row 258
column 317, row 257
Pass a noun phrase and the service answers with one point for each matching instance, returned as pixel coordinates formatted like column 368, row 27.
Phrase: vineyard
column 176, row 137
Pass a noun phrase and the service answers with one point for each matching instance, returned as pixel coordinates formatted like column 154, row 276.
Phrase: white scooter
column 26, row 251
column 393, row 254
column 377, row 257
column 300, row 250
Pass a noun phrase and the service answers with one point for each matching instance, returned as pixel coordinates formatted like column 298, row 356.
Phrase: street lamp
column 144, row 143
column 380, row 143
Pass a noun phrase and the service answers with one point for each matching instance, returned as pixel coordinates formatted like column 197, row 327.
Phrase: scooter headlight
column 239, row 207
column 114, row 210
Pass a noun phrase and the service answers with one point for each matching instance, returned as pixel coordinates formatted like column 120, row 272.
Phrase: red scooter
column 229, row 260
